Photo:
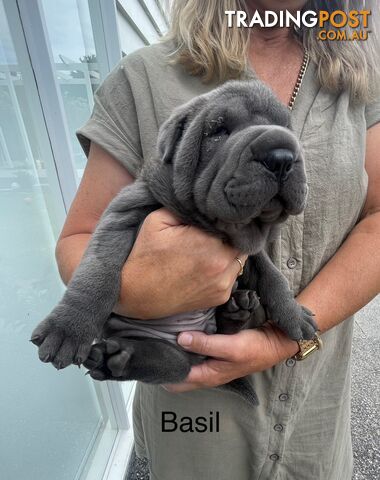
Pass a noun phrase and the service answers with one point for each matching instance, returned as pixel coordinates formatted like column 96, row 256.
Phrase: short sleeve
column 372, row 113
column 113, row 123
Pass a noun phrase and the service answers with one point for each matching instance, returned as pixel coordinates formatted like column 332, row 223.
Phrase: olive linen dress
column 301, row 430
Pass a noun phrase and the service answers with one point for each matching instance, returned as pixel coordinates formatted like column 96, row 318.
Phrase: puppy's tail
column 243, row 388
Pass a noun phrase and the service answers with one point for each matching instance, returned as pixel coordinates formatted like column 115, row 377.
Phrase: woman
column 301, row 430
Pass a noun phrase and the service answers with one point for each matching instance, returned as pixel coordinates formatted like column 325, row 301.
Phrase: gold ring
column 241, row 266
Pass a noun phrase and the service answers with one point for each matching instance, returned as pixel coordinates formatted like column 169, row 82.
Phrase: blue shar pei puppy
column 228, row 163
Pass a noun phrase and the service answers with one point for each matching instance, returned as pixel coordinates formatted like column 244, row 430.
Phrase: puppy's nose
column 279, row 161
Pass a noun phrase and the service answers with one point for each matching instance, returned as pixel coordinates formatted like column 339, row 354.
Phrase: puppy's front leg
column 66, row 334
column 294, row 319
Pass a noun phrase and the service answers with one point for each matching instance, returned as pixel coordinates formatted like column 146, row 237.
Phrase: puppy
column 227, row 163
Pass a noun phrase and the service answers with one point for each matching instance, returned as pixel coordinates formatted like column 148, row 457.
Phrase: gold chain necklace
column 301, row 74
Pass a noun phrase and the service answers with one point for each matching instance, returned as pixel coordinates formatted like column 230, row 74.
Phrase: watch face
column 308, row 346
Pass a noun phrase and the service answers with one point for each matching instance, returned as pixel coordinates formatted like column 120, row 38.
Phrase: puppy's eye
column 220, row 130
column 215, row 128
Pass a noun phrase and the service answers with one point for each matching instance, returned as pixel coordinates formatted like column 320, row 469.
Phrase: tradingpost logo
column 336, row 25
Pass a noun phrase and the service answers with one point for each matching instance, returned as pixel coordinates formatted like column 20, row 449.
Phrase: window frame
column 30, row 33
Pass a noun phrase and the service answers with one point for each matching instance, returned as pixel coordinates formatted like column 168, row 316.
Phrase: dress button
column 283, row 397
column 292, row 262
column 278, row 427
column 274, row 457
column 290, row 362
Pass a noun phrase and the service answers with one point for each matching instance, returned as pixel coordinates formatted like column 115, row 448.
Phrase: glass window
column 51, row 421
column 79, row 59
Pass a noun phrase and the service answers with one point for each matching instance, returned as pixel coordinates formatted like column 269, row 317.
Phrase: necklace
column 301, row 74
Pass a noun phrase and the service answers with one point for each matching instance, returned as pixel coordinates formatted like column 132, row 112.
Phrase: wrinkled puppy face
column 234, row 160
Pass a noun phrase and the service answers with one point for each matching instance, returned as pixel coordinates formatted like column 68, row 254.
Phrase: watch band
column 308, row 346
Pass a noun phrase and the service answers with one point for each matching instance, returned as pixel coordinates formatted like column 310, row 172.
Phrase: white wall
column 141, row 22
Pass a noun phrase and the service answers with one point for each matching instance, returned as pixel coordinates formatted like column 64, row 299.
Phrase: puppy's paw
column 96, row 356
column 152, row 361
column 296, row 321
column 243, row 300
column 63, row 337
column 108, row 359
column 241, row 311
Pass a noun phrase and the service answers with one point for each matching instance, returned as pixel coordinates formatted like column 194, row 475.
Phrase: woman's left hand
column 233, row 356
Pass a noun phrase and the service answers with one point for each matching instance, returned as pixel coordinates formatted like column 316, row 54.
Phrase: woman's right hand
column 175, row 268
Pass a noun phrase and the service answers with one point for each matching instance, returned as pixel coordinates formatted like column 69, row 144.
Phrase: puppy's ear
column 169, row 135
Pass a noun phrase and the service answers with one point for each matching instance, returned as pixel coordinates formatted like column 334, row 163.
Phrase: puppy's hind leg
column 152, row 361
column 243, row 310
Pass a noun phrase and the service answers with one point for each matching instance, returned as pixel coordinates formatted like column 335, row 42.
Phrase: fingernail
column 185, row 339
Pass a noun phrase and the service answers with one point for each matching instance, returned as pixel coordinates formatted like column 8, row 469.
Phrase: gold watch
column 308, row 346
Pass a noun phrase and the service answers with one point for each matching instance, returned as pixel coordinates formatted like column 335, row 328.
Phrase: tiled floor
column 365, row 399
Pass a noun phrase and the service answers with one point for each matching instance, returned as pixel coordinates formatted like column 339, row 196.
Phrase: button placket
column 291, row 251
column 290, row 243
column 297, row 233
column 280, row 416
column 283, row 394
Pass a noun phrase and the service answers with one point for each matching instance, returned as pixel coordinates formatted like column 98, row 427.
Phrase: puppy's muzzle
column 279, row 161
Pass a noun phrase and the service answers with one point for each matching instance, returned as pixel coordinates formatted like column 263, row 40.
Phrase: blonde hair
column 206, row 47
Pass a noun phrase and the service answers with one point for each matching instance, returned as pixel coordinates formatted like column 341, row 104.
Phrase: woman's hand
column 175, row 268
column 234, row 356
